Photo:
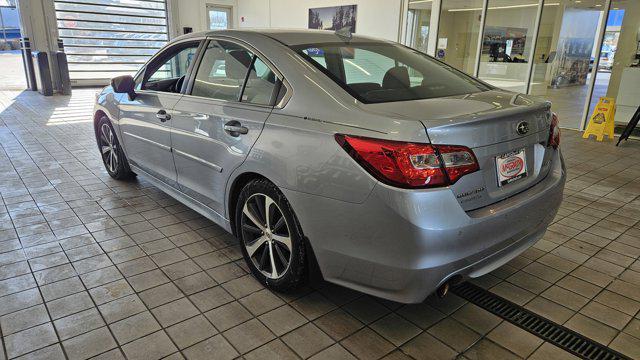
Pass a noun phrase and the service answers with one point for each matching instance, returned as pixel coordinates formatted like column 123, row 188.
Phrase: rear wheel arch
column 234, row 193
column 313, row 268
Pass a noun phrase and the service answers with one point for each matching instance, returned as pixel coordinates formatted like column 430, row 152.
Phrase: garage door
column 107, row 38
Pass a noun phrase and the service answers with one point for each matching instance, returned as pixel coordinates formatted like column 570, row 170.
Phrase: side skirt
column 186, row 200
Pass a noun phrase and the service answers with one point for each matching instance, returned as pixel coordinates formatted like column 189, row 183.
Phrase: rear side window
column 261, row 84
column 386, row 72
column 222, row 71
column 230, row 72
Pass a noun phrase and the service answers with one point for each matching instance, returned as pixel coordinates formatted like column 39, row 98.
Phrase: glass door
column 618, row 73
column 418, row 25
column 219, row 17
column 563, row 60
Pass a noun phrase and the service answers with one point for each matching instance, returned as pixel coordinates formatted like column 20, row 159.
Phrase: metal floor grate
column 553, row 333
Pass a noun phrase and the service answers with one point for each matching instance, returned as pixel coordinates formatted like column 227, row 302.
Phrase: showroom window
column 507, row 42
column 458, row 30
column 561, row 50
column 108, row 38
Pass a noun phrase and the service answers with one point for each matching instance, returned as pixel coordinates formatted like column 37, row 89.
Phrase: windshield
column 385, row 72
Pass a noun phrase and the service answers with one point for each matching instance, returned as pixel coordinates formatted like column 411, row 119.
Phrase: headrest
column 396, row 78
column 236, row 64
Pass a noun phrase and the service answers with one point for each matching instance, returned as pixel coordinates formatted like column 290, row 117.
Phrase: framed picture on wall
column 333, row 18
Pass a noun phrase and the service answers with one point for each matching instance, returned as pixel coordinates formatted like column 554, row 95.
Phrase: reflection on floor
column 92, row 266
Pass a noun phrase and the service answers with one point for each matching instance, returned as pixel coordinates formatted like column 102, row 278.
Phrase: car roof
column 289, row 37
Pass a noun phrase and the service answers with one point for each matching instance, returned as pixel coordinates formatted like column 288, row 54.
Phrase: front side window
column 384, row 72
column 168, row 73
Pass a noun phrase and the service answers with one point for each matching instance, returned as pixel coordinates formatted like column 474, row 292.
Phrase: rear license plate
column 511, row 167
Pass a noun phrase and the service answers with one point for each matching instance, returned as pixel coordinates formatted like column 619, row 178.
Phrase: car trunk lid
column 507, row 132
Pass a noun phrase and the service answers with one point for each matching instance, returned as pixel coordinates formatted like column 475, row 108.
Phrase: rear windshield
column 386, row 72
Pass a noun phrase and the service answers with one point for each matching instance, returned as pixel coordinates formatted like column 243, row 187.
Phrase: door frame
column 142, row 75
column 213, row 6
column 186, row 95
column 596, row 64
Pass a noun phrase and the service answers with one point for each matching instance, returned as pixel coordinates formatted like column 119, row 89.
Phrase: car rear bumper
column 403, row 244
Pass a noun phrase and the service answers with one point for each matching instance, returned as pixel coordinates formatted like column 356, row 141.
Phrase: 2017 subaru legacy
column 385, row 170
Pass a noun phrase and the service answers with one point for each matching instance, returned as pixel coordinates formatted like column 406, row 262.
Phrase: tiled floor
column 90, row 266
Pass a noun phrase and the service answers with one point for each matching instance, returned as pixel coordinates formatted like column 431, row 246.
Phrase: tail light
column 410, row 165
column 554, row 131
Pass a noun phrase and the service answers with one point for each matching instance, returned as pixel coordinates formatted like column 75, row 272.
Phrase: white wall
column 379, row 18
column 254, row 13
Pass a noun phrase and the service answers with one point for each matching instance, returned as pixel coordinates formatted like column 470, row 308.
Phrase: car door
column 219, row 118
column 145, row 120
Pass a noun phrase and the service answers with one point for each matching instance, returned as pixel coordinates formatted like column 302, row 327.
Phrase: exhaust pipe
column 443, row 290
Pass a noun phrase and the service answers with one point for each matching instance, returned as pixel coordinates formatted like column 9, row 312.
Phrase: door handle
column 234, row 128
column 163, row 116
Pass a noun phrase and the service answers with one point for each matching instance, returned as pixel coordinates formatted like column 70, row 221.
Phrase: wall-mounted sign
column 333, row 18
column 504, row 44
column 442, row 43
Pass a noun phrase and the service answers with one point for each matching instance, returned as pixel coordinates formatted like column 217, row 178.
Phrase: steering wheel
column 177, row 86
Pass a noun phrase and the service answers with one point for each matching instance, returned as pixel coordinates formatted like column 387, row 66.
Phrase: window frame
column 280, row 82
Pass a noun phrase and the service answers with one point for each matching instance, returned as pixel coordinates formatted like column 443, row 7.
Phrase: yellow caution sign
column 601, row 121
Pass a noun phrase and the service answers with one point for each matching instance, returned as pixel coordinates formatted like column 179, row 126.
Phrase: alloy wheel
column 108, row 148
column 266, row 235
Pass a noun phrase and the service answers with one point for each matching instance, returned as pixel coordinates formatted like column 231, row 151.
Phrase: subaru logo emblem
column 522, row 128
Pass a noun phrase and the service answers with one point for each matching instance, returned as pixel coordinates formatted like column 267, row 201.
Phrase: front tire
column 270, row 236
column 113, row 158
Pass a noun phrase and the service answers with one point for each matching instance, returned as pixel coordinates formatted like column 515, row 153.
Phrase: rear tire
column 270, row 236
column 113, row 158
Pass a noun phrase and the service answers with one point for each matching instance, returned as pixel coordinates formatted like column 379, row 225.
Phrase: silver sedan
column 365, row 161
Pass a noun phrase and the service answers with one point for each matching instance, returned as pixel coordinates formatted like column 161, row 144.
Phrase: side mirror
column 124, row 84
